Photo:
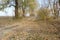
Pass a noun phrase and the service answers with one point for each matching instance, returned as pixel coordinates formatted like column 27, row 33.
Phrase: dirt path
column 28, row 28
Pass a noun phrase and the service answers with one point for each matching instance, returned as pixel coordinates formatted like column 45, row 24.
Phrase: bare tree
column 16, row 9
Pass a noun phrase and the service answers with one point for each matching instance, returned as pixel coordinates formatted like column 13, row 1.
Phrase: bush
column 43, row 13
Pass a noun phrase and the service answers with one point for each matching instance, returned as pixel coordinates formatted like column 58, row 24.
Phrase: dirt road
column 29, row 30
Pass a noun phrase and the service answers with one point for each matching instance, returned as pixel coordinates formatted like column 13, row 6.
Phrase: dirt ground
column 29, row 29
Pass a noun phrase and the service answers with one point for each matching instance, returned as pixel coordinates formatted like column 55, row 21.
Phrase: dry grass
column 30, row 30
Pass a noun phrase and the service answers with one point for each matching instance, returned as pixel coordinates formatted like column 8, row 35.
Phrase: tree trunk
column 59, row 2
column 54, row 9
column 16, row 9
column 23, row 10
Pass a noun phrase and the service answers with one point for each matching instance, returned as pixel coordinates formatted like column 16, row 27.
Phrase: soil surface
column 29, row 29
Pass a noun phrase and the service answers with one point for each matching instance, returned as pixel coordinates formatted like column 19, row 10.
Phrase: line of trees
column 23, row 4
column 50, row 10
column 50, row 7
